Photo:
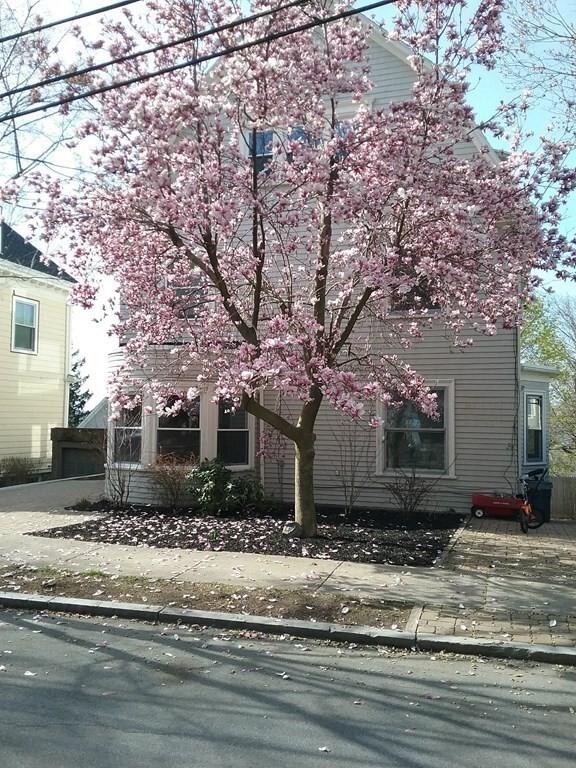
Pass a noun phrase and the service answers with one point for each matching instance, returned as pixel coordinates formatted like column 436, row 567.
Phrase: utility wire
column 155, row 49
column 199, row 60
column 50, row 24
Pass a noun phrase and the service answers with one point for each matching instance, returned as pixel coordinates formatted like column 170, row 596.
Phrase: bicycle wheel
column 523, row 515
column 536, row 519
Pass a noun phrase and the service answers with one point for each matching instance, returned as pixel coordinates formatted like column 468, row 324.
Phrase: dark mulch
column 364, row 537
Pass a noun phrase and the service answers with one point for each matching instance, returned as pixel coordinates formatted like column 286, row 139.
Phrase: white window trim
column 153, row 416
column 111, row 446
column 535, row 462
column 36, row 305
column 250, row 429
column 448, row 385
column 209, row 427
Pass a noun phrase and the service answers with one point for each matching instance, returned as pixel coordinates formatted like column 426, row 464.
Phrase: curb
column 411, row 639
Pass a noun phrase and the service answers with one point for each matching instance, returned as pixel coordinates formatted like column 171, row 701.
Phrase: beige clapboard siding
column 33, row 388
column 485, row 428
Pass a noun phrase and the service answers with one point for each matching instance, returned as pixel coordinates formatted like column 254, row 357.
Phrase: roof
column 17, row 250
column 97, row 418
column 540, row 372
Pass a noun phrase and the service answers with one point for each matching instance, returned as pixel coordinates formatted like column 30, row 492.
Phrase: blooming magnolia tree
column 294, row 232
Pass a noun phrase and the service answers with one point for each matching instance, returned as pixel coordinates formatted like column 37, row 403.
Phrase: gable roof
column 403, row 52
column 14, row 248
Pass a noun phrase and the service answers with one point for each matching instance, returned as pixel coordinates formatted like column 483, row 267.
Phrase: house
column 34, row 349
column 492, row 421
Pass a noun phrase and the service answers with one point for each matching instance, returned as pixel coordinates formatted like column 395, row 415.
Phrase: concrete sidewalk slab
column 29, row 522
column 18, row 549
column 263, row 571
column 422, row 585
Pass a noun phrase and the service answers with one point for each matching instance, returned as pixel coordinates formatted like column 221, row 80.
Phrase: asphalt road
column 82, row 693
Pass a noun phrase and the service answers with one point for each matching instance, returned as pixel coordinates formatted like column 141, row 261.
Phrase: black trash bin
column 540, row 494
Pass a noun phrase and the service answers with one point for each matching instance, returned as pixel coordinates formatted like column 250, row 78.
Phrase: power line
column 50, row 24
column 155, row 49
column 199, row 60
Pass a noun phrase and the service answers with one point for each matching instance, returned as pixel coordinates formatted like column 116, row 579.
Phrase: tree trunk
column 305, row 508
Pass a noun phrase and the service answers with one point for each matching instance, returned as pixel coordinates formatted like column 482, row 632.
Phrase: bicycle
column 530, row 516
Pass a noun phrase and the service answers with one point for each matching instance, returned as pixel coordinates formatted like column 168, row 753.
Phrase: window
column 260, row 148
column 342, row 129
column 299, row 133
column 415, row 298
column 534, row 430
column 413, row 440
column 186, row 298
column 128, row 436
column 305, row 139
column 415, row 291
column 24, row 325
column 179, row 434
column 233, row 436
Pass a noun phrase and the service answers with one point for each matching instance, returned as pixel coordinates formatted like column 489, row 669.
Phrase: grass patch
column 271, row 602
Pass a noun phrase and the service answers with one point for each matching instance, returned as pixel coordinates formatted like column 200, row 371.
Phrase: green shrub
column 16, row 470
column 219, row 491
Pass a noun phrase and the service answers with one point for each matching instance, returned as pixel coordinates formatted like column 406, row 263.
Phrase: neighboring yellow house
column 34, row 349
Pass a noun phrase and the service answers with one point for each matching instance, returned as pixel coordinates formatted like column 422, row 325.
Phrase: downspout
column 519, row 398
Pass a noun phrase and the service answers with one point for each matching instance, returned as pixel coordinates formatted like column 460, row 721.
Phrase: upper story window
column 415, row 441
column 233, row 443
column 416, row 296
column 187, row 297
column 260, row 148
column 416, row 299
column 534, row 429
column 178, row 434
column 24, row 325
column 341, row 131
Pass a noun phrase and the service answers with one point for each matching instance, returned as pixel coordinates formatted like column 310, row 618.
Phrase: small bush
column 170, row 477
column 218, row 491
column 17, row 470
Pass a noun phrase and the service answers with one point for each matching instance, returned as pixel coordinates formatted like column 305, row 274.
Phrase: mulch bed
column 389, row 538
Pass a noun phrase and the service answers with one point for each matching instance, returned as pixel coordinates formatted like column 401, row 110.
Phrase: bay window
column 178, row 434
column 232, row 436
column 127, row 433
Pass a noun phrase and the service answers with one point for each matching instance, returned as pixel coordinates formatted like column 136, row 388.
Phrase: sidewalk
column 493, row 583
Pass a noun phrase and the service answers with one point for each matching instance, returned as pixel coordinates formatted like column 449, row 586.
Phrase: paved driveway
column 496, row 546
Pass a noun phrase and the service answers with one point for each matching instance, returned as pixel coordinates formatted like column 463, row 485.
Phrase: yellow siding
column 33, row 387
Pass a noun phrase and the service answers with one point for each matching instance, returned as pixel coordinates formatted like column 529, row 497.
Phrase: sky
column 91, row 338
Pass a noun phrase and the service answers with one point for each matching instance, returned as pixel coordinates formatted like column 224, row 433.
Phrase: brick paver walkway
column 497, row 547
